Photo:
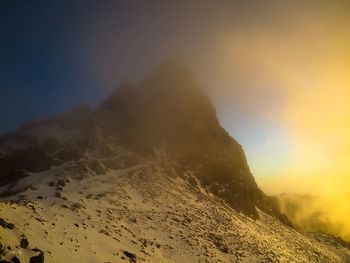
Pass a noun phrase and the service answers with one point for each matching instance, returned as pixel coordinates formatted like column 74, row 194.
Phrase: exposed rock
column 24, row 242
column 10, row 226
column 32, row 160
column 3, row 223
column 131, row 256
column 61, row 182
column 39, row 258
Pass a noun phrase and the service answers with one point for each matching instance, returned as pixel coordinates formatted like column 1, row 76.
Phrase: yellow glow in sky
column 293, row 73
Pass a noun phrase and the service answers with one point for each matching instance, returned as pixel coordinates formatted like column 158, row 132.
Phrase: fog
column 328, row 214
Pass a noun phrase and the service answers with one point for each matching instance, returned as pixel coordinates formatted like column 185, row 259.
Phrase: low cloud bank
column 318, row 214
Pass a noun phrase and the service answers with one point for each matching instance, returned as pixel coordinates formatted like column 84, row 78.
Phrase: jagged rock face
column 168, row 110
column 165, row 112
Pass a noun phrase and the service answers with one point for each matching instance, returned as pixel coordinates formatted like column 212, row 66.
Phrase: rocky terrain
column 146, row 214
column 149, row 175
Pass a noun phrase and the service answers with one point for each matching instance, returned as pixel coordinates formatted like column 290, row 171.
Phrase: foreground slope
column 146, row 214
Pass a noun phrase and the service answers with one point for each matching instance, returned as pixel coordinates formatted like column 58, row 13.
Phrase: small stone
column 10, row 226
column 61, row 182
column 131, row 256
column 39, row 258
column 24, row 243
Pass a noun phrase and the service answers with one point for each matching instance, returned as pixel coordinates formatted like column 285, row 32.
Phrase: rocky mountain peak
column 170, row 87
column 165, row 110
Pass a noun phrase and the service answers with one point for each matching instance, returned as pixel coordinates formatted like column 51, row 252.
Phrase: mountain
column 149, row 175
column 167, row 112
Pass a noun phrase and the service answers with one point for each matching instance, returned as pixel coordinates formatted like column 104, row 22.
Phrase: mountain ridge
column 167, row 109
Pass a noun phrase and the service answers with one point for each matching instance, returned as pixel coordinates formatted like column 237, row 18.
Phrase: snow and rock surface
column 147, row 176
column 143, row 214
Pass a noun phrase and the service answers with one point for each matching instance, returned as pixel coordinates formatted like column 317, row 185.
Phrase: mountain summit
column 168, row 111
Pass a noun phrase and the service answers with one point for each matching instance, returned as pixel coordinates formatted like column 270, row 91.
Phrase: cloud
column 328, row 214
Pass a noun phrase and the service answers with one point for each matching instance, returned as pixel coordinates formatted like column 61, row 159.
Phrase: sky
column 277, row 72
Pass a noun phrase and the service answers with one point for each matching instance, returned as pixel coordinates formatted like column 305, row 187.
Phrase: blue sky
column 37, row 75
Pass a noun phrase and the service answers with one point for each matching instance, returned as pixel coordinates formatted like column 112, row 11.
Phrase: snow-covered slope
column 145, row 213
